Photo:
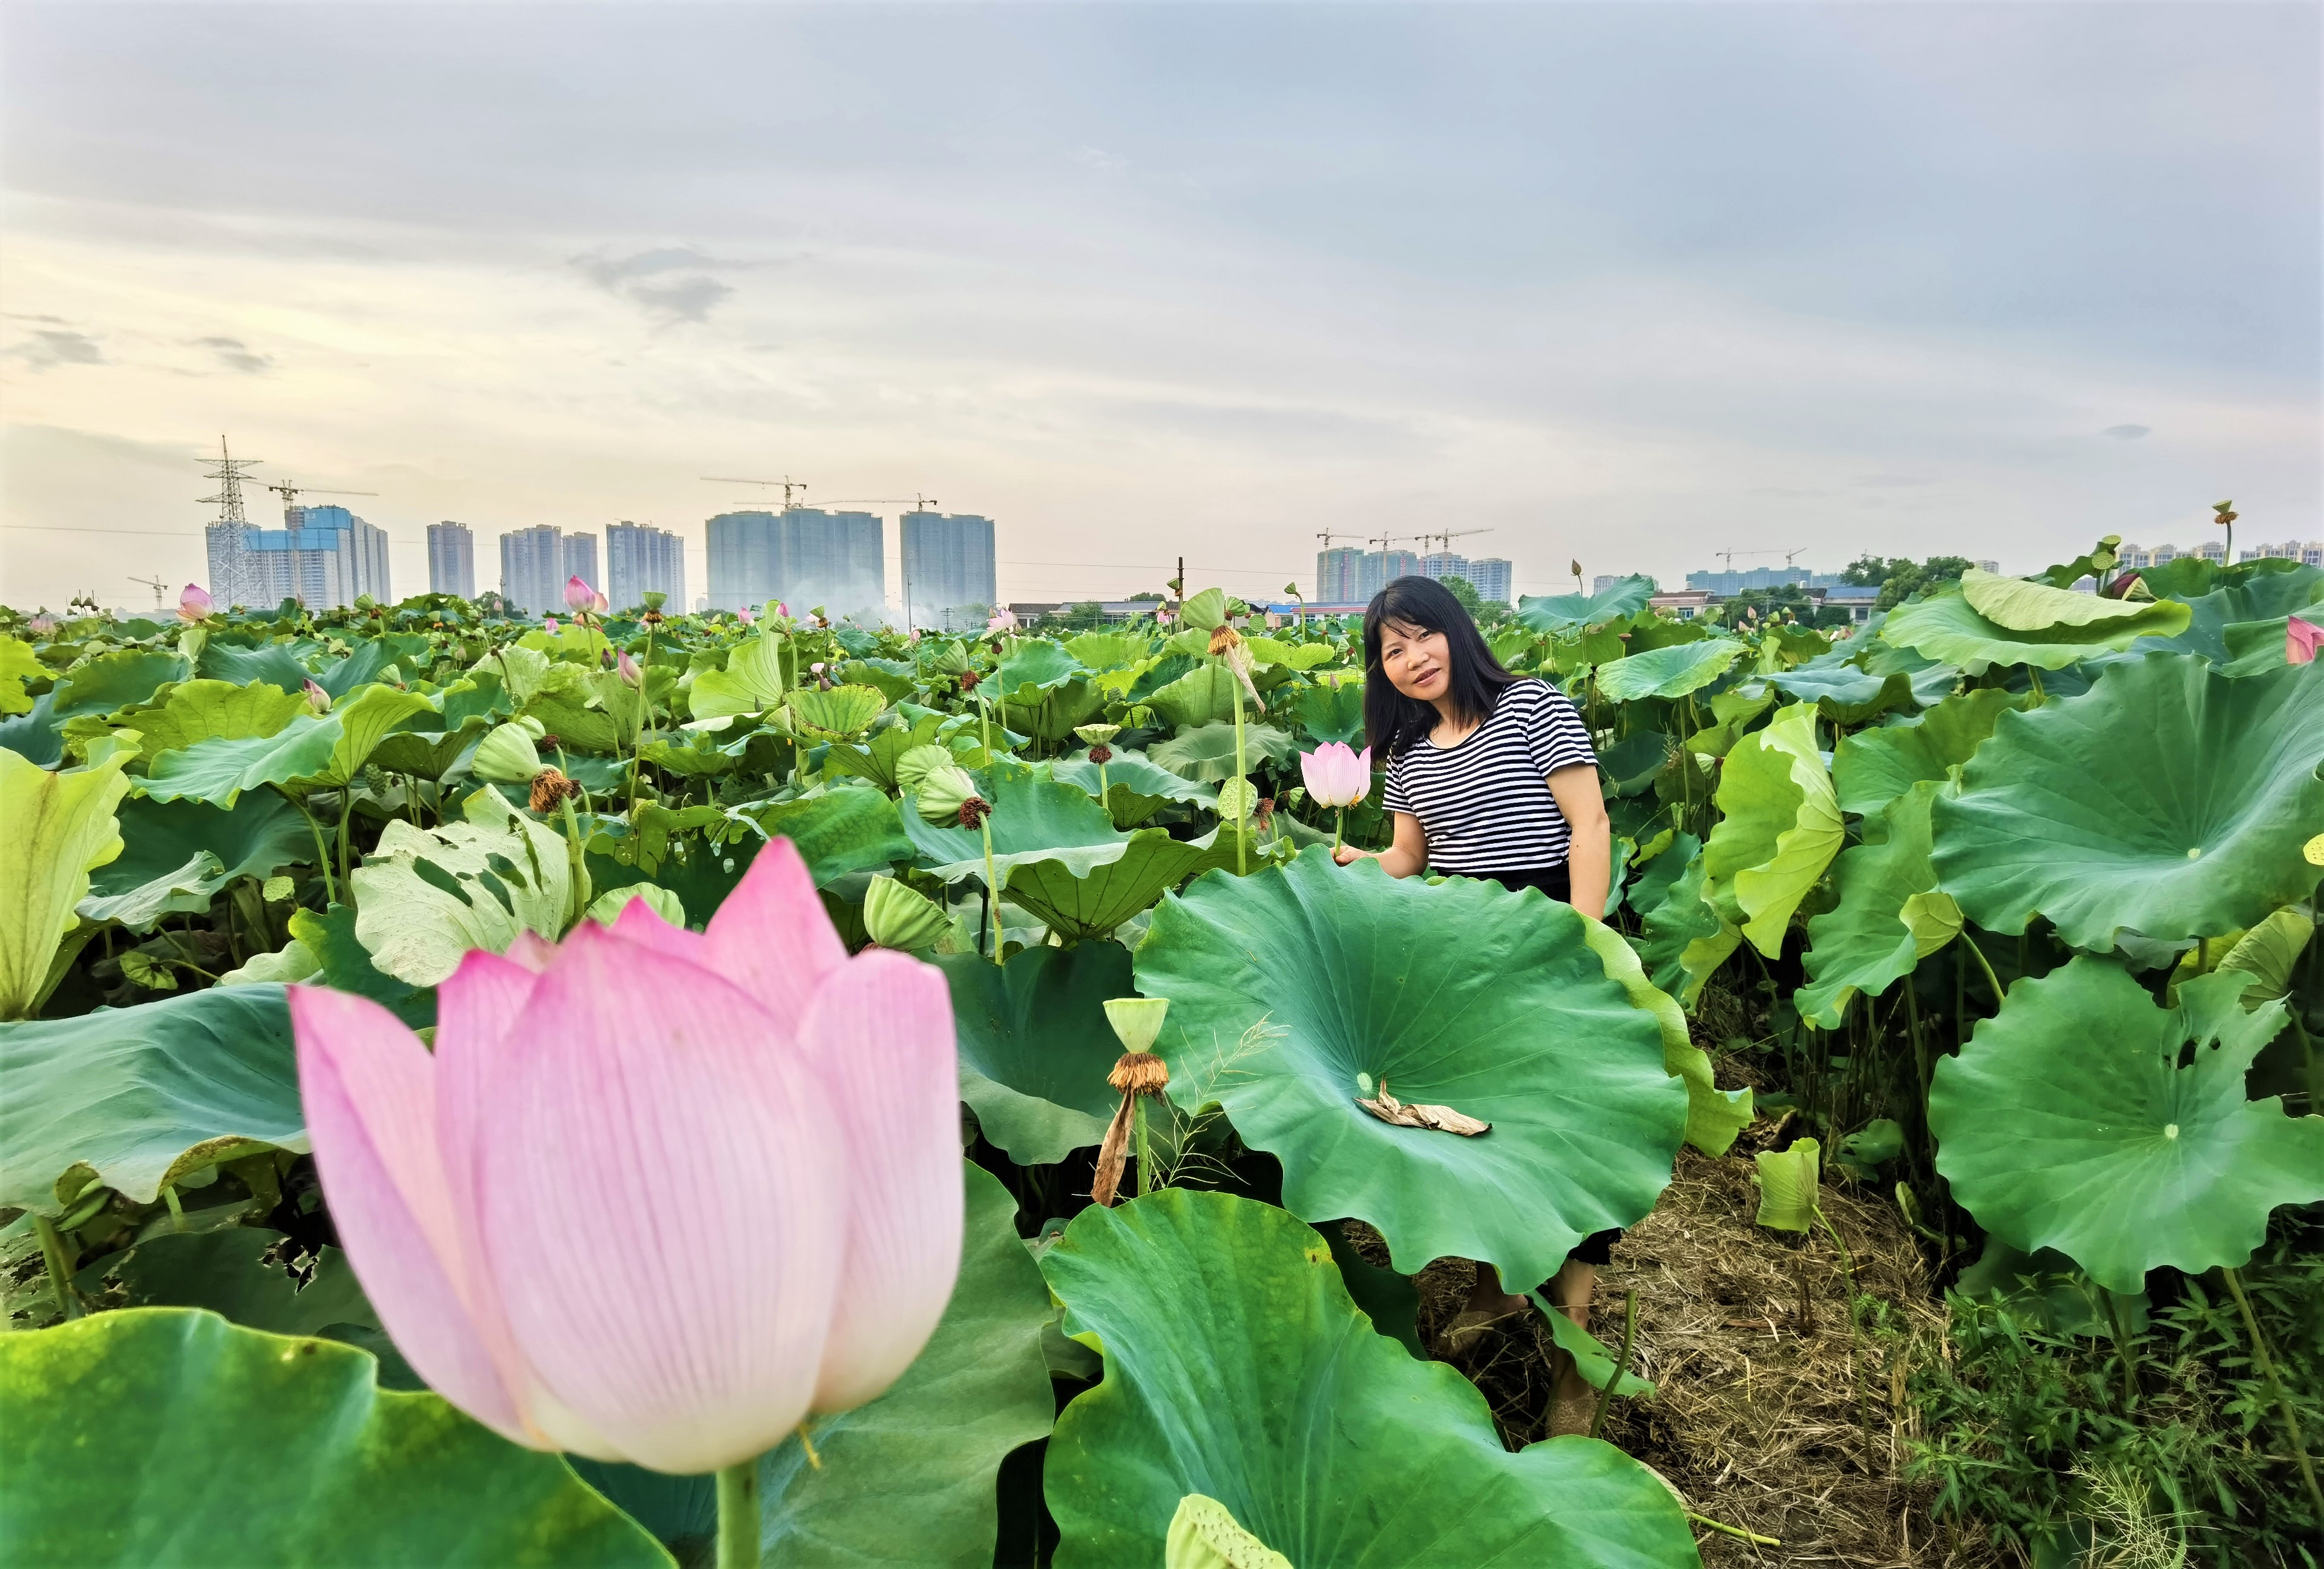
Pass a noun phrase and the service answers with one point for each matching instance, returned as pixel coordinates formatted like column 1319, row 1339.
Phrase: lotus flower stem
column 1991, row 979
column 578, row 860
column 1144, row 1160
column 1242, row 805
column 1621, row 1361
column 738, row 1515
column 993, row 882
column 177, row 1210
column 1339, row 828
column 346, row 810
column 1104, row 790
column 322, row 852
column 53, row 1255
column 1706, row 1520
column 2275, row 1387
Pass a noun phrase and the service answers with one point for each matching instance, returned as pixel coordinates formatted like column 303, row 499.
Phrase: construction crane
column 1446, row 536
column 157, row 585
column 1788, row 555
column 291, row 492
column 786, row 481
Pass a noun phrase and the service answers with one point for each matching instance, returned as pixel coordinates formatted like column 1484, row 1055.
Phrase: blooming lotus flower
column 628, row 669
column 317, row 698
column 2300, row 641
column 1004, row 620
column 655, row 1195
column 41, row 625
column 746, row 615
column 193, row 604
column 1336, row 776
column 548, row 624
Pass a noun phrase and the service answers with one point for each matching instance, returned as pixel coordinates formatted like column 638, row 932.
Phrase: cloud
column 643, row 279
column 1099, row 157
column 49, row 346
column 2126, row 432
column 236, row 355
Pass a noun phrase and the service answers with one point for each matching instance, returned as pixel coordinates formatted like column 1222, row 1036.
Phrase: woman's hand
column 1407, row 857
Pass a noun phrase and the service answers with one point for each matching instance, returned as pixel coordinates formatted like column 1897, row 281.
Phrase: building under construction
column 322, row 556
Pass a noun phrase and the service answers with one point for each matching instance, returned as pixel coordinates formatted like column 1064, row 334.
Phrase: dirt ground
column 1769, row 1414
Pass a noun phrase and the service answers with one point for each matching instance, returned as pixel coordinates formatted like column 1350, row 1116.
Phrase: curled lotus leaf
column 2023, row 604
column 1035, row 1045
column 1667, row 672
column 1237, row 1367
column 2068, row 1122
column 1788, row 1180
column 2169, row 800
column 1871, row 768
column 1206, row 754
column 1780, row 828
column 61, row 826
column 1713, row 1116
column 839, row 713
column 1557, row 613
column 1296, row 990
column 1946, row 626
column 1867, row 942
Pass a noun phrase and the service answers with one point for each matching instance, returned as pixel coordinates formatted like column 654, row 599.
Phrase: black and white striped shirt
column 1485, row 804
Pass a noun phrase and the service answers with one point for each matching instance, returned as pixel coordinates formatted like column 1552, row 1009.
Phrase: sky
column 1625, row 284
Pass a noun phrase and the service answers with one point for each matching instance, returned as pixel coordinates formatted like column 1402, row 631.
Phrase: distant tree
column 1148, row 597
column 1086, row 616
column 1462, row 589
column 1872, row 571
column 1910, row 579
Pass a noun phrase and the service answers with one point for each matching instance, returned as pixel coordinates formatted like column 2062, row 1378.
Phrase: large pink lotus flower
column 1336, row 776
column 655, row 1195
column 195, row 604
column 578, row 595
column 2301, row 639
column 1003, row 620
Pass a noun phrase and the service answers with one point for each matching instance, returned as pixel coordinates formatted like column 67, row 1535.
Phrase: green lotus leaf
column 1557, row 613
column 226, row 1271
column 37, row 735
column 896, row 678
column 122, row 678
column 2022, row 604
column 1054, row 716
column 2251, row 591
column 1137, row 787
column 1207, row 753
column 879, row 756
column 1667, row 672
column 520, row 670
column 2252, row 646
column 1946, row 626
column 907, row 1479
column 2266, row 952
column 178, row 854
column 200, row 710
column 2068, row 1122
column 1079, row 898
column 61, row 826
column 288, row 965
column 840, row 714
column 1237, row 1367
column 18, row 665
column 1033, row 666
column 1713, row 1116
column 1286, row 985
column 2169, row 800
column 272, row 663
column 427, row 753
column 218, row 770
column 1203, row 695
column 607, row 907
column 368, row 661
column 2046, row 1290
column 1685, row 937
column 1780, row 829
column 1733, row 711
column 1864, row 942
column 898, row 916
column 1631, row 763
column 1332, row 709
column 1109, row 650
column 346, row 965
column 1845, row 695
column 1788, row 1182
column 427, row 896
column 570, row 706
column 207, row 1418
column 1206, row 611
column 1035, row 1045
column 1871, row 768
column 1033, row 817
column 142, row 1095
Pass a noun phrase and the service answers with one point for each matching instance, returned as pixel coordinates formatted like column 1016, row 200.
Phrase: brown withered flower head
column 551, row 742
column 1140, row 1073
column 1222, row 638
column 1101, row 753
column 968, row 680
column 551, row 789
column 973, row 811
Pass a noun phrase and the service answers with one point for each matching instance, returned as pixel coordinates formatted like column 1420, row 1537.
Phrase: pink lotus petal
column 368, row 1088
column 2301, row 639
column 484, row 997
column 881, row 1031
column 195, row 602
column 639, row 924
column 772, row 938
column 531, row 950
column 660, row 1204
column 578, row 595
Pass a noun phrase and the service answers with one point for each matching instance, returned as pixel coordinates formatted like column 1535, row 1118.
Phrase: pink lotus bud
column 193, row 604
column 2300, row 641
column 317, row 698
column 548, row 624
column 1336, row 776
column 817, row 667
column 41, row 625
column 578, row 595
column 628, row 669
column 655, row 1195
column 599, row 606
column 782, row 611
column 746, row 615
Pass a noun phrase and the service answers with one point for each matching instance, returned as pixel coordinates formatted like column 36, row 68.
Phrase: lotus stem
column 53, row 1255
column 1732, row 1530
column 738, row 1515
column 1339, row 830
column 177, row 1210
column 1621, row 1361
column 346, row 811
column 2034, row 674
column 1138, row 1126
column 1104, row 790
column 1243, row 809
column 576, row 859
column 1985, row 964
column 992, row 885
column 322, row 852
column 2275, row 1387
column 2122, row 1351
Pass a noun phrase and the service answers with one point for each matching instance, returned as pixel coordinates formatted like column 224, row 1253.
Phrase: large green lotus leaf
column 1137, row 787
column 1557, row 613
column 366, row 662
column 201, row 710
column 2068, row 1122
column 1780, row 827
column 1033, row 817
column 177, row 855
column 218, row 770
column 1732, row 712
column 1109, row 650
column 228, row 1271
column 1079, row 902
column 838, row 713
column 1053, row 715
column 1286, row 985
column 1871, row 768
column 1863, row 943
column 895, row 678
column 168, row 1435
column 1237, row 1367
column 122, row 678
column 345, row 964
column 1207, row 751
column 36, row 736
column 570, row 706
column 2214, row 605
column 2169, row 800
column 836, row 833
column 141, row 1095
column 1332, row 708
column 1713, row 1115
column 1033, row 666
column 18, row 664
column 1205, row 612
column 1667, row 672
column 1035, row 1045
column 427, row 896
column 875, row 756
column 1946, row 626
column 1685, row 937
column 274, row 664
column 427, row 753
column 1203, row 694
column 61, row 826
column 908, row 1480
column 2023, row 604
column 1844, row 694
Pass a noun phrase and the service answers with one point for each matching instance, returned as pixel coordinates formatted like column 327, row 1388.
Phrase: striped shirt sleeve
column 1555, row 735
column 1393, row 796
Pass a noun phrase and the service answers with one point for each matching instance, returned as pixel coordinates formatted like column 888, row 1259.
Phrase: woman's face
column 1417, row 661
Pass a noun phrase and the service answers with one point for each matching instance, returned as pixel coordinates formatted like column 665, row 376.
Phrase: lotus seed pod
column 946, row 794
column 1238, row 798
column 1204, row 1535
column 918, row 762
column 507, row 756
column 1135, row 1020
column 902, row 918
column 1097, row 735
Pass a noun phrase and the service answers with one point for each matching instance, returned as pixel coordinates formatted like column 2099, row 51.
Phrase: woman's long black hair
column 1394, row 722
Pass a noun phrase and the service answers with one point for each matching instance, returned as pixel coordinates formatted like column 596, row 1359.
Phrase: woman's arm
column 1407, row 856
column 1589, row 862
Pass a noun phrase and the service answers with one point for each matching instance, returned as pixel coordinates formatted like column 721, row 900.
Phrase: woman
column 1494, row 777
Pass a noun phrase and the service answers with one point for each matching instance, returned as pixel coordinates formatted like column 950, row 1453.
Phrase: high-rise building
column 579, row 559
column 641, row 560
column 1489, row 577
column 451, row 559
column 2308, row 552
column 949, row 582
column 533, row 569
column 1383, row 567
column 1732, row 581
column 1340, row 576
column 802, row 556
column 325, row 558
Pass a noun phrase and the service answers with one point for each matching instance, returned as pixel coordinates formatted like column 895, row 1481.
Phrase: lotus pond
column 1995, row 918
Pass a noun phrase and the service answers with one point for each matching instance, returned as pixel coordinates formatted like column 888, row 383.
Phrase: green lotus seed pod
column 1097, row 735
column 1238, row 798
column 918, row 762
column 1137, row 1020
column 506, row 756
column 1204, row 1535
column 946, row 794
column 900, row 917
